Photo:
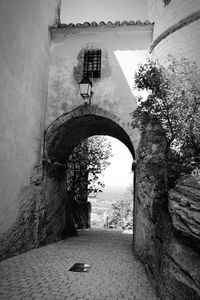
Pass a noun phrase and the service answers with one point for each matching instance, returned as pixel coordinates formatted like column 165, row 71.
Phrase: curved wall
column 176, row 29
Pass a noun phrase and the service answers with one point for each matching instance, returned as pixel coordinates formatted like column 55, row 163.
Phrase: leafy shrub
column 173, row 105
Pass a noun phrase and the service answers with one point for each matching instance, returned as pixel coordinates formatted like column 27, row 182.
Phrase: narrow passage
column 44, row 273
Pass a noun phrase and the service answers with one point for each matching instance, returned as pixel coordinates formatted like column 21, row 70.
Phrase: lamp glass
column 85, row 87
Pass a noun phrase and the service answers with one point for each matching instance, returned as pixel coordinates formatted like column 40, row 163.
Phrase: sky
column 79, row 11
column 119, row 172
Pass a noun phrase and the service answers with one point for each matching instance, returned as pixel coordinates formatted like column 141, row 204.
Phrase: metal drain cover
column 80, row 267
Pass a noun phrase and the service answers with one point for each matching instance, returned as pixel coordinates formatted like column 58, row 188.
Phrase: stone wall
column 44, row 215
column 167, row 224
column 184, row 207
column 150, row 216
column 181, row 260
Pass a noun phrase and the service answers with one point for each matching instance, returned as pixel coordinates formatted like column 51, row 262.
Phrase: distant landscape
column 102, row 204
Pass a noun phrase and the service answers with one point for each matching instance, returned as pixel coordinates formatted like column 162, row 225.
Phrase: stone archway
column 61, row 137
column 44, row 210
column 70, row 128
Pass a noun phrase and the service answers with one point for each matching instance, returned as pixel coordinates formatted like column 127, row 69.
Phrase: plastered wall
column 176, row 29
column 166, row 16
column 111, row 91
column 185, row 42
column 24, row 60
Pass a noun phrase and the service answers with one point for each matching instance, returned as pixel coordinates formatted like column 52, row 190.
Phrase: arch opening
column 112, row 209
column 67, row 135
column 60, row 139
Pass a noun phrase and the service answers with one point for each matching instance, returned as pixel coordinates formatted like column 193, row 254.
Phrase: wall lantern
column 86, row 90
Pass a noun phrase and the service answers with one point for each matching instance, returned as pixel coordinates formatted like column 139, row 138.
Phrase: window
column 92, row 64
column 166, row 2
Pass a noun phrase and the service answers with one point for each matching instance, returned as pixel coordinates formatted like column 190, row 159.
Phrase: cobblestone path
column 43, row 273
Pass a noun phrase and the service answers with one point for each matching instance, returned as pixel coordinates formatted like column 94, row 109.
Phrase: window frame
column 92, row 63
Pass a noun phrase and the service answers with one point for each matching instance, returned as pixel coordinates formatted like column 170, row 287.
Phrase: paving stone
column 43, row 273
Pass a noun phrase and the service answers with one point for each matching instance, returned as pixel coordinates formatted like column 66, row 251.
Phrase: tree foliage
column 122, row 210
column 173, row 103
column 88, row 160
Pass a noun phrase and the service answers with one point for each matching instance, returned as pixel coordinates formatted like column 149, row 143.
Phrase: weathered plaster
column 24, row 59
column 184, row 22
column 166, row 16
column 105, row 66
column 111, row 91
column 176, row 29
